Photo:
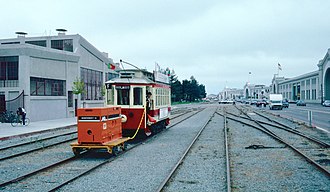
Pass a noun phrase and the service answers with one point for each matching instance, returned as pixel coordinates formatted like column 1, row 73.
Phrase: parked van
column 275, row 101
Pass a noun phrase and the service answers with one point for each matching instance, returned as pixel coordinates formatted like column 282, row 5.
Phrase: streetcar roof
column 130, row 81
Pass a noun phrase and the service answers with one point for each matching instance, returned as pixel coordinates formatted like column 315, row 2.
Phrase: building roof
column 306, row 75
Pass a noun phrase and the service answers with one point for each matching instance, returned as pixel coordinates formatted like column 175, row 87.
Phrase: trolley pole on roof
column 121, row 61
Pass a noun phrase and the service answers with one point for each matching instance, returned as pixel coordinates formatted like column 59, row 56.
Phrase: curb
column 36, row 132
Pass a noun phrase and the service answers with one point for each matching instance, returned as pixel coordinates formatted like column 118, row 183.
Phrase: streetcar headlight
column 123, row 118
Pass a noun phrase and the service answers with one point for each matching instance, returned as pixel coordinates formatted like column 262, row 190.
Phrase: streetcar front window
column 137, row 95
column 122, row 95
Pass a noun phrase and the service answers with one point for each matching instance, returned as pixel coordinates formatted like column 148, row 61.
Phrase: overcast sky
column 218, row 42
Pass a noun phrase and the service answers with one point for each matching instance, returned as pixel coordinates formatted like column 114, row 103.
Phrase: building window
column 308, row 94
column 47, row 87
column 314, row 94
column 41, row 43
column 93, row 84
column 9, row 71
column 9, row 43
column 70, row 99
column 314, row 81
column 64, row 44
column 303, row 95
column 109, row 76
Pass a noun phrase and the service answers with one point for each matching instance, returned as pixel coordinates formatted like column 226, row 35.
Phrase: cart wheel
column 76, row 151
column 124, row 146
column 115, row 150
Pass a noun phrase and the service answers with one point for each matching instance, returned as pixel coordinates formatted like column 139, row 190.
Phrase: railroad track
column 47, row 170
column 182, row 165
column 306, row 154
column 282, row 126
column 226, row 143
column 36, row 145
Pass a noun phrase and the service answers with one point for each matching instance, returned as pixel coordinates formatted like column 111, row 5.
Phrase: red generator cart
column 99, row 128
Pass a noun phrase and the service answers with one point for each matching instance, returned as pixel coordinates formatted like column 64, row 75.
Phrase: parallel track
column 177, row 165
column 228, row 175
column 36, row 149
column 67, row 160
column 286, row 128
column 275, row 136
column 37, row 140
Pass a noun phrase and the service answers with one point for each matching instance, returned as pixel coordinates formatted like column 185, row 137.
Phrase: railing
column 8, row 83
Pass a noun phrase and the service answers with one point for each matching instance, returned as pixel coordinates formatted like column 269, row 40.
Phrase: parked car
column 227, row 102
column 285, row 104
column 326, row 103
column 253, row 102
column 261, row 103
column 301, row 103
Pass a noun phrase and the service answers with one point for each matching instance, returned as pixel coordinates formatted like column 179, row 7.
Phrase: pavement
column 7, row 131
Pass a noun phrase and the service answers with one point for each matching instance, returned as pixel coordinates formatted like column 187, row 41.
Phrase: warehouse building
column 313, row 87
column 37, row 73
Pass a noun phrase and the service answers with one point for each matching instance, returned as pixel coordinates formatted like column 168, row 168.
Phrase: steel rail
column 37, row 140
column 19, row 178
column 93, row 168
column 176, row 166
column 22, row 177
column 112, row 159
column 227, row 152
column 36, row 149
column 327, row 145
column 287, row 128
column 269, row 132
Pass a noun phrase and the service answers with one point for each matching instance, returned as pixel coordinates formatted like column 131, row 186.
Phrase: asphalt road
column 320, row 114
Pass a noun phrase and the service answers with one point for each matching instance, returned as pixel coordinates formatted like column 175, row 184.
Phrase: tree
column 202, row 91
column 188, row 90
column 78, row 86
column 77, row 89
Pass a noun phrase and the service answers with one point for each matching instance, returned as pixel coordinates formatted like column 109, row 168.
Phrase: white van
column 275, row 101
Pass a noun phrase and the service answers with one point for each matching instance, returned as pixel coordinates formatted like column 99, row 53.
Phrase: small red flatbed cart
column 100, row 128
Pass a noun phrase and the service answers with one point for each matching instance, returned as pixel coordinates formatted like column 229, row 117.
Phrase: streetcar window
column 123, row 96
column 110, row 96
column 137, row 94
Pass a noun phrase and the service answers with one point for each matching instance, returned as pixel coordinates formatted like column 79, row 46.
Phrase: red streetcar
column 144, row 98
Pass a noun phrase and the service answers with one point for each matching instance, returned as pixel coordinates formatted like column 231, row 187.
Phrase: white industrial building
column 231, row 94
column 313, row 87
column 37, row 73
column 256, row 91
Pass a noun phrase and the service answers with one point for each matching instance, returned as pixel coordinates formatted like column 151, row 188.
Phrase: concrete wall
column 47, row 108
column 48, row 68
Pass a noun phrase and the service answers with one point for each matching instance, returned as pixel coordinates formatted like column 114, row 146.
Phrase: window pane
column 41, row 43
column 70, row 99
column 40, row 88
column 68, row 45
column 110, row 96
column 123, row 96
column 93, row 82
column 57, row 44
column 33, row 86
column 3, row 70
column 48, row 88
column 137, row 94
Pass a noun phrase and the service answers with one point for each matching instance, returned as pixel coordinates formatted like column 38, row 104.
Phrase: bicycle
column 7, row 117
column 17, row 120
